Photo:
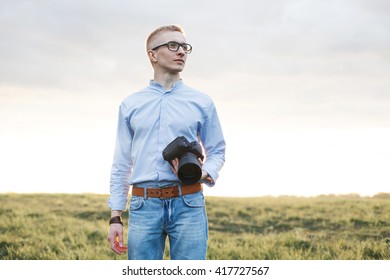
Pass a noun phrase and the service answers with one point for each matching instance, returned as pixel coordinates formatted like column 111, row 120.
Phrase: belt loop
column 179, row 188
column 146, row 193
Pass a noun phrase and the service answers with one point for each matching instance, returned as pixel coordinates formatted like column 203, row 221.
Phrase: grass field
column 71, row 227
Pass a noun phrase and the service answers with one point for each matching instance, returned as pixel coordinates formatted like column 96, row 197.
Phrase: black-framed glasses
column 174, row 47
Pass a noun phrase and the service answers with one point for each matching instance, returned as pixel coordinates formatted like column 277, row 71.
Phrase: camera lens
column 190, row 170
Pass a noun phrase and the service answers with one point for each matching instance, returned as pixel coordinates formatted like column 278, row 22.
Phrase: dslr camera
column 190, row 169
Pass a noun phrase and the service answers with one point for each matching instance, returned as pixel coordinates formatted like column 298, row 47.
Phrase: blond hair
column 155, row 33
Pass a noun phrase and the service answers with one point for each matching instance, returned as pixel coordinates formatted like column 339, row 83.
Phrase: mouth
column 180, row 61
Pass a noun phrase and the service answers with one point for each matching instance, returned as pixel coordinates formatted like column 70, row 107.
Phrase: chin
column 178, row 70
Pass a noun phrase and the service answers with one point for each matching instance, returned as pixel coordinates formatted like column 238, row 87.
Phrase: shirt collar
column 160, row 88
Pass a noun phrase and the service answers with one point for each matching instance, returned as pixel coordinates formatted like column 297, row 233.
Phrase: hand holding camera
column 184, row 157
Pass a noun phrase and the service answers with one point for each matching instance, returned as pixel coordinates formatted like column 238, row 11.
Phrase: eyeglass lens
column 174, row 46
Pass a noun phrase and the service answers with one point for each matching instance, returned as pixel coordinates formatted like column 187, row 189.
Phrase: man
column 148, row 121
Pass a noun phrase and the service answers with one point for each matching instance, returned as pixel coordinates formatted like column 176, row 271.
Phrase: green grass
column 71, row 227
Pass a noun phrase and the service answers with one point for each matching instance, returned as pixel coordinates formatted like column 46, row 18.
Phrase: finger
column 120, row 248
column 114, row 247
column 116, row 251
column 210, row 179
column 115, row 237
column 175, row 162
column 175, row 165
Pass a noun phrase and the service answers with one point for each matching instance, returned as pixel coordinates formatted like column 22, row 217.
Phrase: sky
column 302, row 89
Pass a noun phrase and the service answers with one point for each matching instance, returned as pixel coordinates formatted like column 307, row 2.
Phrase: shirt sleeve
column 122, row 164
column 213, row 143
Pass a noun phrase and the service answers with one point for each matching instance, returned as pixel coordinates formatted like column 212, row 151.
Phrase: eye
column 173, row 46
column 187, row 47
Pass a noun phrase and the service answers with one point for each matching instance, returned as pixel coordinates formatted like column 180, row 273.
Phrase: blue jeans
column 183, row 219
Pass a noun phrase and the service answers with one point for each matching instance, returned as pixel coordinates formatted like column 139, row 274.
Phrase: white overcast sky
column 302, row 88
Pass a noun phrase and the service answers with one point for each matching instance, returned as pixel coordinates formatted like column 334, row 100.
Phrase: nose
column 181, row 51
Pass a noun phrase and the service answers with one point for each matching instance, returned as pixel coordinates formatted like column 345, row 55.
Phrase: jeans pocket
column 195, row 200
column 136, row 203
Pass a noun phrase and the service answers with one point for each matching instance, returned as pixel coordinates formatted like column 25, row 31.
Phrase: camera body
column 190, row 169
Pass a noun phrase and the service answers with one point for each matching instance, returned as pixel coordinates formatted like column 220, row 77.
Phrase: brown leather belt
column 167, row 192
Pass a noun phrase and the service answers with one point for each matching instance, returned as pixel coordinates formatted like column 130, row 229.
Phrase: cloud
column 287, row 58
column 54, row 43
column 283, row 65
column 46, row 41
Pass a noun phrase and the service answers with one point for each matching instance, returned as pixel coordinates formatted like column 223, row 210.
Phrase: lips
column 179, row 60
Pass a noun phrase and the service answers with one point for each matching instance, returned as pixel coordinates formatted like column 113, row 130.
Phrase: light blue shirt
column 148, row 121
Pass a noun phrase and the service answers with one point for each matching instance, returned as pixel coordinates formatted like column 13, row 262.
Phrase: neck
column 166, row 80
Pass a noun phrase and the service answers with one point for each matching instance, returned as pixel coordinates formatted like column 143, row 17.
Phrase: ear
column 152, row 56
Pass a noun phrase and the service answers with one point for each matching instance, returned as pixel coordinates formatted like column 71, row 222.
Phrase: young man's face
column 165, row 59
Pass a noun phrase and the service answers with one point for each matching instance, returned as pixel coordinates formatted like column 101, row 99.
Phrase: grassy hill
column 71, row 227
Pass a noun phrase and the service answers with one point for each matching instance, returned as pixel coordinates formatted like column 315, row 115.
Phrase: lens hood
column 190, row 170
